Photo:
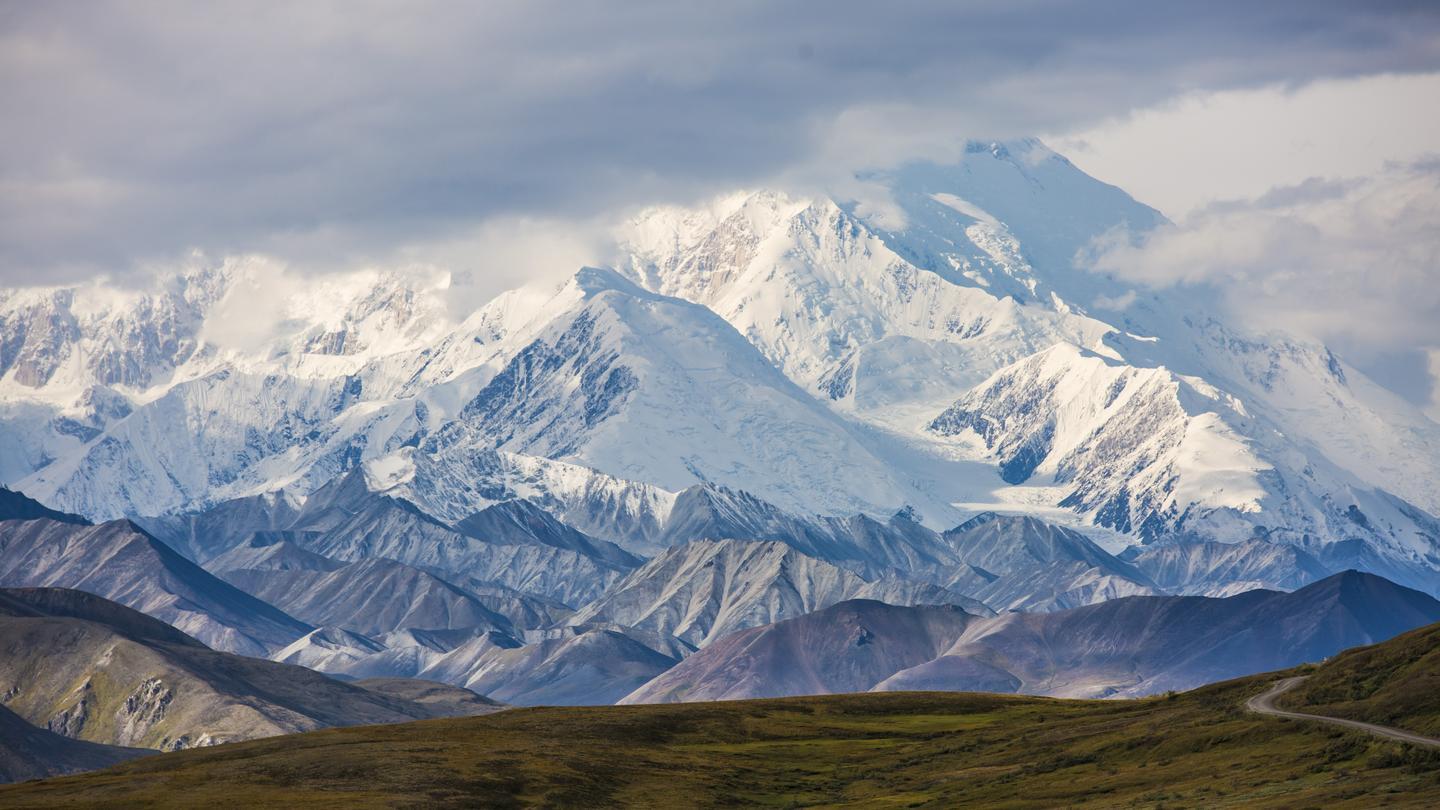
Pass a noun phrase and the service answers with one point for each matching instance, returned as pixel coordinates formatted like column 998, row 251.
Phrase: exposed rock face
column 41, row 339
column 70, row 721
column 371, row 596
column 1219, row 569
column 584, row 667
column 142, row 710
column 1085, row 420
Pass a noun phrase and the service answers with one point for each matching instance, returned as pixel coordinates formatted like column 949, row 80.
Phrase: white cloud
column 507, row 252
column 1433, row 407
column 253, row 314
column 1354, row 263
column 1206, row 146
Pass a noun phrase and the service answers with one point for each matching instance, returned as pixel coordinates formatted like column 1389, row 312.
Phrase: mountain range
column 746, row 618
column 119, row 561
column 1125, row 647
column 955, row 358
column 777, row 445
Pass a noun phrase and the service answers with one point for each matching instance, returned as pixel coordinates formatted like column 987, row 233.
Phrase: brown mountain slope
column 94, row 670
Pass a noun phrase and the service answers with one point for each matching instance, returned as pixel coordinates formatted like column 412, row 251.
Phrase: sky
column 493, row 137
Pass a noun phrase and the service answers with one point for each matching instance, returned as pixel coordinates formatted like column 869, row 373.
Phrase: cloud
column 255, row 311
column 506, row 252
column 1185, row 153
column 1355, row 263
column 1432, row 408
column 336, row 133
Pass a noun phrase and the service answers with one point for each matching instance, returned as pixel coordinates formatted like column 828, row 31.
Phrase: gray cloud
column 340, row 132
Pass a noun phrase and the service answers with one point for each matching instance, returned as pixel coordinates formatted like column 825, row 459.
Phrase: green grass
column 1396, row 683
column 898, row 750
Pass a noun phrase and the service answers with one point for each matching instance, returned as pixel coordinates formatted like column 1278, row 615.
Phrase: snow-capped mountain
column 1153, row 419
column 624, row 363
column 213, row 374
column 950, row 359
column 840, row 312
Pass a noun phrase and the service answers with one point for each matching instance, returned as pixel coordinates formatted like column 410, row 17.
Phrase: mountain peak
column 592, row 281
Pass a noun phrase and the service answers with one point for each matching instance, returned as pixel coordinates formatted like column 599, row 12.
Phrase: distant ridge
column 16, row 506
column 1122, row 648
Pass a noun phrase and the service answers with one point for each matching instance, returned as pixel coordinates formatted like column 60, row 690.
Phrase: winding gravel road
column 1264, row 703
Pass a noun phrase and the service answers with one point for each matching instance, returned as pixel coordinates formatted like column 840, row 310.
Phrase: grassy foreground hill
column 1395, row 684
column 918, row 749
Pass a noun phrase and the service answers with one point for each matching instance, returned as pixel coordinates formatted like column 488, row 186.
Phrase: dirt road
column 1264, row 703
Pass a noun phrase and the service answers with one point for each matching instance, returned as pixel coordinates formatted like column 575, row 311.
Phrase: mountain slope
column 129, row 401
column 370, row 596
column 859, row 542
column 703, row 590
column 328, row 649
column 270, row 551
column 452, row 485
column 1124, row 647
column 822, row 295
column 1080, row 418
column 1019, row 563
column 848, row 647
column 1144, row 645
column 1213, row 569
column 344, row 520
column 205, row 534
column 27, row 752
column 1396, row 682
column 15, row 506
column 582, row 667
column 712, row 408
column 91, row 669
column 441, row 699
column 119, row 561
column 520, row 522
column 514, row 549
